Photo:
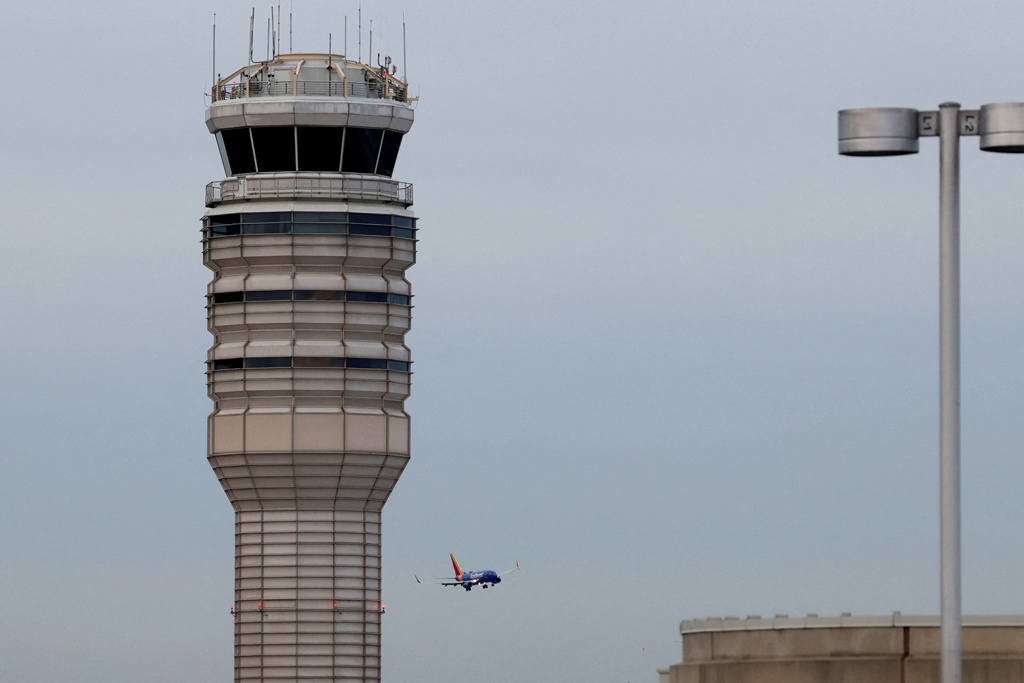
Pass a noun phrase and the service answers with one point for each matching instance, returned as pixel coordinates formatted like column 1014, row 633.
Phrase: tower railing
column 308, row 186
column 373, row 90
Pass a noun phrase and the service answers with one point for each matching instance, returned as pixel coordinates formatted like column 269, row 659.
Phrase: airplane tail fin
column 458, row 569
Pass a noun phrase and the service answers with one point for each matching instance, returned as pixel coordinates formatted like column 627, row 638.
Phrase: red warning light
column 335, row 605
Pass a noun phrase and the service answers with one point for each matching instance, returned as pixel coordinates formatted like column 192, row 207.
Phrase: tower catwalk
column 308, row 238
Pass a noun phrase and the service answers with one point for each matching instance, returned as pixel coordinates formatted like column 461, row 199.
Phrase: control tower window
column 319, row 148
column 389, row 153
column 362, row 145
column 238, row 147
column 310, row 222
column 275, row 148
column 310, row 362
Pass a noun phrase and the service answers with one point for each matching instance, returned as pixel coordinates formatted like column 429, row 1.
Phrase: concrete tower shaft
column 309, row 239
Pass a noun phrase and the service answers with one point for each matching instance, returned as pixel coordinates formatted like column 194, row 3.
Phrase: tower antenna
column 252, row 25
column 369, row 55
column 270, row 24
column 405, row 69
column 213, row 71
column 290, row 8
column 278, row 26
column 273, row 37
column 360, row 33
column 345, row 42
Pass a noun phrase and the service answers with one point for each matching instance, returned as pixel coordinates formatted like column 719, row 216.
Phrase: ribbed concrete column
column 307, row 595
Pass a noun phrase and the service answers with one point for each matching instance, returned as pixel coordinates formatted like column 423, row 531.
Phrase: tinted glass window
column 361, row 148
column 268, row 222
column 226, row 219
column 321, row 217
column 372, row 297
column 366, row 363
column 370, row 218
column 311, row 362
column 311, row 222
column 238, row 147
column 389, row 152
column 318, row 295
column 319, row 148
column 375, row 230
column 321, row 229
column 267, row 217
column 401, row 299
column 270, row 295
column 285, row 362
column 322, row 222
column 275, row 148
column 228, row 297
column 227, row 224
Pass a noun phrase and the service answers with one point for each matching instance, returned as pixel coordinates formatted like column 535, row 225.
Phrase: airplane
column 469, row 579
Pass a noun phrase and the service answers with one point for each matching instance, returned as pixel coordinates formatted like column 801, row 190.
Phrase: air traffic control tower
column 309, row 238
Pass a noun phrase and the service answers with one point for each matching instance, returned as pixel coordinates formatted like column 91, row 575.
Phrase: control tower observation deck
column 309, row 239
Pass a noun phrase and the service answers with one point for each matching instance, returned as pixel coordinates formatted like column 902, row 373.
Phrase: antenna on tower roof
column 252, row 24
column 213, row 70
column 360, row 33
column 278, row 26
column 290, row 8
column 405, row 70
column 345, row 42
column 369, row 54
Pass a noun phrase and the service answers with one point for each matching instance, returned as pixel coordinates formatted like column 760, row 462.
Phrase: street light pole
column 894, row 131
column 949, row 386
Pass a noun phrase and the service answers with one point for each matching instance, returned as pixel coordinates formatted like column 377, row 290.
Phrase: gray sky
column 672, row 352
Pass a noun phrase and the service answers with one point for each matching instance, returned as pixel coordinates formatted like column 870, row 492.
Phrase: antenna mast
column 252, row 24
column 405, row 69
column 290, row 8
column 360, row 33
column 213, row 71
column 279, row 27
column 369, row 55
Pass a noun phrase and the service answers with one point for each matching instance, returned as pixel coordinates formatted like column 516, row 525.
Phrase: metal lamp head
column 1001, row 127
column 882, row 131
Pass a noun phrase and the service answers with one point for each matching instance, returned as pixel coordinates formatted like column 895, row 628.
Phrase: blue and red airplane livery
column 469, row 579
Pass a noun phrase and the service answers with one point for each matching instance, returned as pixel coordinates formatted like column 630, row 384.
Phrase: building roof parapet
column 845, row 620
column 312, row 75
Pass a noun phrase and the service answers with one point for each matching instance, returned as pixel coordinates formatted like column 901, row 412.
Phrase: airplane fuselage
column 470, row 579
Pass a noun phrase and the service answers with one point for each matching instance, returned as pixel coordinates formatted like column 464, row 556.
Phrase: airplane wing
column 510, row 570
column 446, row 581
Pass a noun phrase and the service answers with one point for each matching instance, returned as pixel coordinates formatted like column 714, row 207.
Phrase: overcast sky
column 672, row 352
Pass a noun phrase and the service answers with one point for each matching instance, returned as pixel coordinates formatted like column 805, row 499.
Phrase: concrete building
column 309, row 239
column 844, row 649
